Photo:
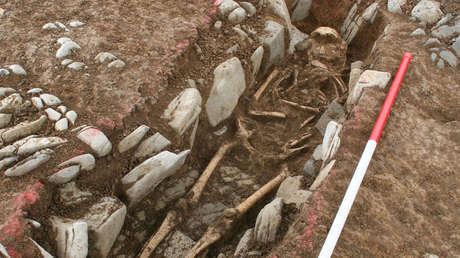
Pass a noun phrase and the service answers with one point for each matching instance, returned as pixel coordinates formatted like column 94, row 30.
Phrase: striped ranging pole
column 360, row 171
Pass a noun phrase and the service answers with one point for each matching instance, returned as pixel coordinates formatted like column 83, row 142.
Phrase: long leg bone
column 225, row 223
column 264, row 86
column 290, row 103
column 267, row 114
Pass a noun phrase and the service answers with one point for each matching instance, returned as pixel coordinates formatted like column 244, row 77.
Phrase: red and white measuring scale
column 360, row 171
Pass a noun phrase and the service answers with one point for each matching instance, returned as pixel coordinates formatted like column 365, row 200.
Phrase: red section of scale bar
column 386, row 108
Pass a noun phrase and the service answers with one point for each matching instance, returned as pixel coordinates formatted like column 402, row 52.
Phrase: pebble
column 43, row 252
column 237, row 16
column 17, row 69
column 29, row 164
column 256, row 60
column 322, row 175
column 7, row 161
column 37, row 102
column 96, row 140
column 116, row 64
column 432, row 41
column 268, row 221
column 191, row 83
column 151, row 145
column 218, row 25
column 66, row 62
column 133, row 138
column 226, row 7
column 62, row 109
column 145, row 177
column 35, row 144
column 70, row 194
column 50, row 26
column 105, row 220
column 76, row 24
column 433, row 57
column 244, row 244
column 53, row 115
column 183, row 110
column 440, row 64
column 229, row 84
column 50, row 100
column 35, row 91
column 23, row 129
column 62, row 125
column 309, row 169
column 418, row 32
column 66, row 49
column 65, row 175
column 2, row 14
column 105, row 57
column 76, row 66
column 72, row 116
column 250, row 9
column 71, row 237
column 449, row 57
column 4, row 72
column 427, row 11
column 291, row 191
column 63, row 40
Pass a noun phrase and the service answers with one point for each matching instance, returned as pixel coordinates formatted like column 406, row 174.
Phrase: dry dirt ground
column 407, row 206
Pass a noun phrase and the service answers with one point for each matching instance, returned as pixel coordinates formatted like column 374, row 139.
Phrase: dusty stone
column 133, row 138
column 279, row 8
column 62, row 109
column 76, row 66
column 427, row 11
column 237, row 16
column 86, row 162
column 96, row 140
column 35, row 144
column 4, row 72
column 49, row 26
column 256, row 60
column 35, row 91
column 30, row 163
column 62, row 125
column 149, row 174
column 205, row 215
column 177, row 245
column 334, row 112
column 105, row 220
column 322, row 175
column 394, row 6
column 244, row 244
column 7, row 161
column 70, row 194
column 450, row 58
column 309, row 169
column 17, row 69
column 23, row 129
column 218, row 25
column 291, row 191
column 418, row 32
column 65, row 175
column 273, row 42
column 76, row 24
column 72, row 116
column 440, row 64
column 226, row 7
column 229, row 85
column 268, row 221
column 250, row 9
column 71, row 237
column 297, row 37
column 301, row 10
column 2, row 14
column 116, row 64
column 105, row 57
column 151, row 145
column 50, row 100
column 331, row 140
column 183, row 110
column 318, row 152
column 431, row 42
column 63, row 40
column 53, row 115
column 66, row 49
column 369, row 78
column 5, row 120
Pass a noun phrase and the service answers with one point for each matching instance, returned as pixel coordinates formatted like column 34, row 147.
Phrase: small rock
column 229, row 85
column 35, row 144
column 221, row 131
column 232, row 49
column 274, row 43
column 4, row 72
column 440, row 64
column 53, row 115
column 250, row 9
column 7, row 161
column 145, row 177
column 268, row 221
column 322, row 175
column 183, row 110
column 96, row 140
column 418, row 32
column 35, row 91
column 291, row 191
column 116, row 64
column 226, row 7
column 309, row 169
column 35, row 224
column 30, row 163
column 431, row 42
column 49, row 26
column 76, row 24
column 244, row 244
column 72, row 116
column 334, row 112
column 71, row 237
column 65, row 175
column 62, row 125
column 369, row 78
column 427, row 11
column 428, row 255
column 2, row 14
column 133, row 138
column 256, row 60
column 105, row 220
column 76, row 66
column 433, row 57
column 70, row 194
column 105, row 57
column 318, row 152
column 218, row 25
column 191, row 83
column 66, row 49
column 301, row 10
column 394, row 6
column 23, row 129
column 449, row 57
column 5, row 120
column 17, row 69
column 86, row 162
column 63, row 40
column 43, row 252
column 66, row 62
column 50, row 100
column 62, row 109
column 237, row 16
column 151, row 145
